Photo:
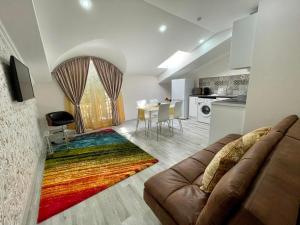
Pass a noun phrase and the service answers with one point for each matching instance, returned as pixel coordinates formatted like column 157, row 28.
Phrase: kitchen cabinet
column 193, row 107
column 226, row 119
column 242, row 42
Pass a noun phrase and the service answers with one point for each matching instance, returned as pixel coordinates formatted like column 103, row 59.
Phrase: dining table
column 152, row 109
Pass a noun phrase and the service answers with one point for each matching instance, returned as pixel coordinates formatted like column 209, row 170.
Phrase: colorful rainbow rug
column 90, row 164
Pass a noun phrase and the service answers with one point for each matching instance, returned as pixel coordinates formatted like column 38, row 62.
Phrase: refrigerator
column 181, row 90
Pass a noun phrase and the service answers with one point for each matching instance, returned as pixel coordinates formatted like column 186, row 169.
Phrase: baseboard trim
column 35, row 185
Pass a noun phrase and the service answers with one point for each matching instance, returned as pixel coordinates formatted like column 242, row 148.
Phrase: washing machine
column 204, row 109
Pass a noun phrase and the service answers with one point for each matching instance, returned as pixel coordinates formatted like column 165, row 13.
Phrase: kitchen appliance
column 206, row 91
column 204, row 108
column 181, row 90
column 197, row 91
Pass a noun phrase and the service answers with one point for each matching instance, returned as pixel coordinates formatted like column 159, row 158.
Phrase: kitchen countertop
column 231, row 102
column 213, row 96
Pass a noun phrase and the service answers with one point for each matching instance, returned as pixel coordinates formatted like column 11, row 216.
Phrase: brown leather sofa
column 262, row 189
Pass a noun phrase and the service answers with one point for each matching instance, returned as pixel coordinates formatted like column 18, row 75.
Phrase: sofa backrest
column 274, row 197
column 232, row 190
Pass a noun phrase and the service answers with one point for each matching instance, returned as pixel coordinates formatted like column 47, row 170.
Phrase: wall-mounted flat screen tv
column 21, row 81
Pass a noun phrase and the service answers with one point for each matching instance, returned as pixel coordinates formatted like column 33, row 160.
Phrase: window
column 95, row 104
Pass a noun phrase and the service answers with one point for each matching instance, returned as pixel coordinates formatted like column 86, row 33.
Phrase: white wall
column 21, row 144
column 274, row 89
column 219, row 66
column 50, row 97
column 141, row 87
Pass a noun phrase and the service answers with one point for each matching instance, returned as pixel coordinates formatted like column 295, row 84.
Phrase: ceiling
column 131, row 26
column 100, row 48
column 123, row 32
column 217, row 45
column 19, row 20
column 217, row 15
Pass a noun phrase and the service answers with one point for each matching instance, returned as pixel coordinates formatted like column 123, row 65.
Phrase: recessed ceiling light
column 201, row 41
column 86, row 4
column 199, row 18
column 174, row 60
column 162, row 28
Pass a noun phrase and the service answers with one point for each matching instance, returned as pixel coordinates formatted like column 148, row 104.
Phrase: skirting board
column 32, row 203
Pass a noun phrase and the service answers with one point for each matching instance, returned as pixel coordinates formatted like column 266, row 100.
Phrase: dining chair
column 177, row 114
column 141, row 103
column 162, row 117
column 142, row 115
column 172, row 109
column 153, row 101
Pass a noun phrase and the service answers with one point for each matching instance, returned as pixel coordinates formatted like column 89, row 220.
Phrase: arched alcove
column 98, row 48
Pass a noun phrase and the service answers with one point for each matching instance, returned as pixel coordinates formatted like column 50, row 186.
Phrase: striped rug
column 88, row 165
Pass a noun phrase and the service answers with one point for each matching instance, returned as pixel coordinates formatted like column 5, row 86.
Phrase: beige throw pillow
column 228, row 156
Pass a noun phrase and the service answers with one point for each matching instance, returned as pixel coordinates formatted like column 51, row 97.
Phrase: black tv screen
column 21, row 81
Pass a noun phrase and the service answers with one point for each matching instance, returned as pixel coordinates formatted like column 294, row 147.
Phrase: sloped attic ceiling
column 216, row 15
column 131, row 26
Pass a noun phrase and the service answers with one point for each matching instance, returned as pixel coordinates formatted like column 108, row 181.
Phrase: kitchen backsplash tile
column 226, row 85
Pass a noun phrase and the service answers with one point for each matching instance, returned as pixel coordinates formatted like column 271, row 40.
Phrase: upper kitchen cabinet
column 242, row 42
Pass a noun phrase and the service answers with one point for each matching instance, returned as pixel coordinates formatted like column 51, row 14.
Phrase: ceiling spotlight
column 199, row 18
column 201, row 41
column 86, row 4
column 162, row 28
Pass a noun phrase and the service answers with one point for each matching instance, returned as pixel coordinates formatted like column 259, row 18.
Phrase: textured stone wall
column 20, row 144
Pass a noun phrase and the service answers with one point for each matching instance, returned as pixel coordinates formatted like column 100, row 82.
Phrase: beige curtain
column 91, row 108
column 111, row 78
column 95, row 104
column 71, row 77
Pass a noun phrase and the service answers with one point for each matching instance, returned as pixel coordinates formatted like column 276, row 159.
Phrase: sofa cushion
column 228, row 156
column 204, row 157
column 228, row 138
column 185, row 204
column 285, row 124
column 173, row 190
column 274, row 197
column 232, row 188
column 190, row 168
column 159, row 211
column 177, row 191
column 294, row 131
